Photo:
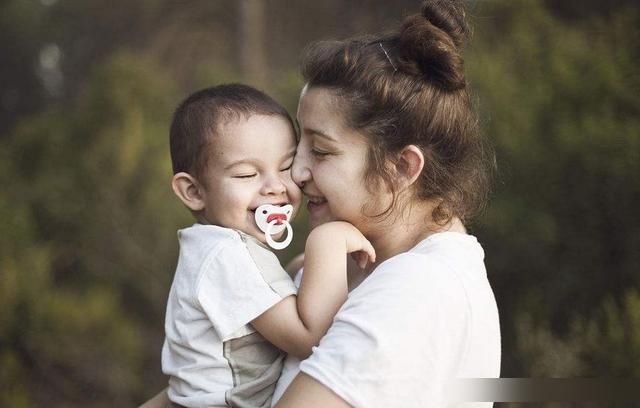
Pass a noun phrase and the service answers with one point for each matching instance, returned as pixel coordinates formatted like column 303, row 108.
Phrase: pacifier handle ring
column 282, row 244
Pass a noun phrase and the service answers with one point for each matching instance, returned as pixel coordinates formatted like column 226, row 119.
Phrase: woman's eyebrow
column 320, row 133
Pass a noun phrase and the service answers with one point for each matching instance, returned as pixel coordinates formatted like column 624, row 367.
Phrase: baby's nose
column 274, row 185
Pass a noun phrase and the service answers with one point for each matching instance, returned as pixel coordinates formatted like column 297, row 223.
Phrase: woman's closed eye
column 319, row 153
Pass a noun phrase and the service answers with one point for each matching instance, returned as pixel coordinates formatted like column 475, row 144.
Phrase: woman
column 389, row 142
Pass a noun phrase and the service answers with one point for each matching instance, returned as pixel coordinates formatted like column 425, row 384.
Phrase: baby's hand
column 356, row 244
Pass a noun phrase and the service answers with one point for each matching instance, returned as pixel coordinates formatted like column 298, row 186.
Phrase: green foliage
column 88, row 245
column 612, row 338
column 561, row 104
column 608, row 342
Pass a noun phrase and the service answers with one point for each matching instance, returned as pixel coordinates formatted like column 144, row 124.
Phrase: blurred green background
column 88, row 231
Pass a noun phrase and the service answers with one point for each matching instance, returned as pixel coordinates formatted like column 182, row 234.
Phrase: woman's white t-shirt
column 421, row 319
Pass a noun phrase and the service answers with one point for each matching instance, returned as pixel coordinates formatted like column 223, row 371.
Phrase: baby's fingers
column 368, row 249
column 365, row 254
column 361, row 258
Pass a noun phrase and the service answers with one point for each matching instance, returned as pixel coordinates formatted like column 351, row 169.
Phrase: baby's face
column 250, row 165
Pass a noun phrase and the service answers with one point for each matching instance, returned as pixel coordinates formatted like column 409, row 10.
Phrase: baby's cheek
column 292, row 188
column 296, row 203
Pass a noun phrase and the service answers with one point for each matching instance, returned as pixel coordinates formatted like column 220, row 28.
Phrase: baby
column 232, row 310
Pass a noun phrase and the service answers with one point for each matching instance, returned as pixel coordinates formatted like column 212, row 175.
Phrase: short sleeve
column 233, row 289
column 395, row 339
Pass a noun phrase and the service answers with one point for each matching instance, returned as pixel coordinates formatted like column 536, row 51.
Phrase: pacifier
column 272, row 219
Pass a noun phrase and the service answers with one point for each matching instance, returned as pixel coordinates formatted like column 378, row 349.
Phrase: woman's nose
column 300, row 171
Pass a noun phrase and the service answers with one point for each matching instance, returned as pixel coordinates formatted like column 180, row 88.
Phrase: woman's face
column 330, row 162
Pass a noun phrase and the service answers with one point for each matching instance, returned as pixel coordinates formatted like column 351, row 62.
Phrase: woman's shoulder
column 405, row 282
column 440, row 257
column 409, row 285
column 438, row 271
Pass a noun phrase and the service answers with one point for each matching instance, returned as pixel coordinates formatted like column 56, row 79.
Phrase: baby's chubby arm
column 294, row 265
column 296, row 324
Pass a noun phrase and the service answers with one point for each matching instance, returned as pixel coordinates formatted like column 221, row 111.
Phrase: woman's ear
column 409, row 165
column 188, row 190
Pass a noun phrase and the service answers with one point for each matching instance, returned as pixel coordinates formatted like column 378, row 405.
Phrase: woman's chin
column 318, row 213
column 318, row 218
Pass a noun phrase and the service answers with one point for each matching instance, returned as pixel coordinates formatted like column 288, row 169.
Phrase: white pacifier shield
column 272, row 219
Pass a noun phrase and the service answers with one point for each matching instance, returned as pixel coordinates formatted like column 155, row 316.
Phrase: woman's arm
column 306, row 392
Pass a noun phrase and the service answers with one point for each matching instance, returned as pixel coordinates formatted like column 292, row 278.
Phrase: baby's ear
column 188, row 190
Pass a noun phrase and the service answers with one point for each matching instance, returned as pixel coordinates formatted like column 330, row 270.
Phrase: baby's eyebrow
column 256, row 162
column 291, row 152
column 250, row 162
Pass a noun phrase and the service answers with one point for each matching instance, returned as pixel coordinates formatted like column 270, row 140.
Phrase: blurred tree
column 607, row 344
column 88, row 246
column 562, row 105
column 251, row 27
column 90, row 268
column 20, row 90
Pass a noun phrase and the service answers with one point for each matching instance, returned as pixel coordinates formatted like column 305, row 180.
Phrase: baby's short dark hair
column 199, row 117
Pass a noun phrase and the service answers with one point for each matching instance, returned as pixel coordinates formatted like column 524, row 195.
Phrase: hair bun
column 432, row 40
column 449, row 16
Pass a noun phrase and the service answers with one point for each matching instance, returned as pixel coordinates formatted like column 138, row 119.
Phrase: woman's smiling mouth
column 315, row 202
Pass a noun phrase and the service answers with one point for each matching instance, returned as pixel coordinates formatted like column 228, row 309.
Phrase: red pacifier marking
column 278, row 217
